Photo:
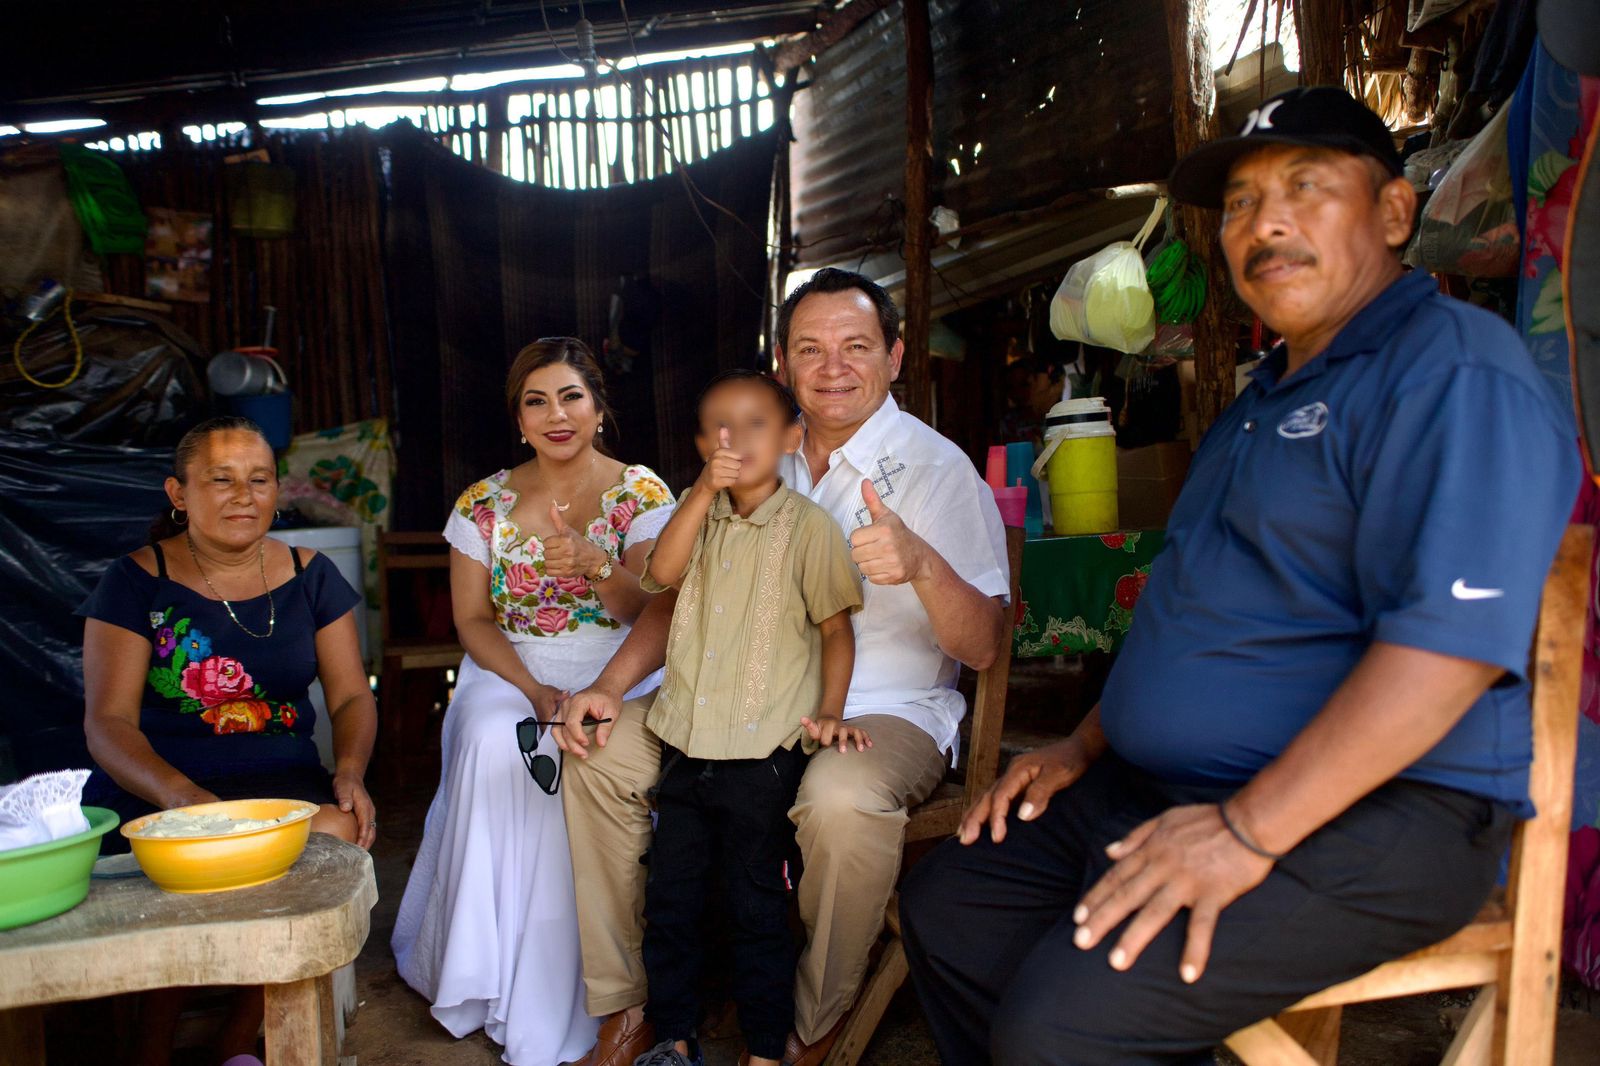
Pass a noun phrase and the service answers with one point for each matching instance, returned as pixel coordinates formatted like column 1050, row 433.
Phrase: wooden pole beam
column 797, row 51
column 1321, row 29
column 1194, row 121
column 919, row 231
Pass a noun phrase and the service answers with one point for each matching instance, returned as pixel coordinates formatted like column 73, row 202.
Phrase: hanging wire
column 545, row 16
column 693, row 190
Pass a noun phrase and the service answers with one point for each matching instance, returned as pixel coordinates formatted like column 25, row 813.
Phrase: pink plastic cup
column 1013, row 504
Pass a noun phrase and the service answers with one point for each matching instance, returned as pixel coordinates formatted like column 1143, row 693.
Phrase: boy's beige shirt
column 744, row 656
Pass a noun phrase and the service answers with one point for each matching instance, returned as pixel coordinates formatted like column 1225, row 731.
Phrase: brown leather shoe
column 797, row 1054
column 616, row 1046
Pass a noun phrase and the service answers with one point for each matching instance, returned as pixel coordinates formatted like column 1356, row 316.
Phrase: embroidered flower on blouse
column 216, row 679
column 197, row 645
column 577, row 586
column 621, row 516
column 238, row 716
column 522, row 580
column 551, row 619
column 651, row 491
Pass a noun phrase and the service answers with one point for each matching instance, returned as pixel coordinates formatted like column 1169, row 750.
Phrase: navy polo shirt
column 1410, row 485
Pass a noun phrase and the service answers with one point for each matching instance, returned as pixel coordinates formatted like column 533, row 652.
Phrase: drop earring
column 601, row 428
column 523, row 438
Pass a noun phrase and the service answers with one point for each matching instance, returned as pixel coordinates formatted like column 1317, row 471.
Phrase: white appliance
column 342, row 546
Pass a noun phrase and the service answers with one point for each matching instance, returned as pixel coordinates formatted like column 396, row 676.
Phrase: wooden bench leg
column 1475, row 1038
column 882, row 984
column 22, row 1036
column 299, row 1023
column 1267, row 1044
column 1317, row 1031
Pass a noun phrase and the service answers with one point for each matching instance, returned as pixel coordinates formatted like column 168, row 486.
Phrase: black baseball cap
column 1319, row 116
column 1571, row 33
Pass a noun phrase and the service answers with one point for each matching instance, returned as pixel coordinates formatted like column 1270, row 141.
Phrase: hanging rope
column 77, row 348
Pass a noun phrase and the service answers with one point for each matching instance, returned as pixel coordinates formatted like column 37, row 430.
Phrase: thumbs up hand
column 566, row 552
column 722, row 469
column 886, row 552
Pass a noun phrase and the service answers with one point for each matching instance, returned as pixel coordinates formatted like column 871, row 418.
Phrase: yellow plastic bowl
column 233, row 860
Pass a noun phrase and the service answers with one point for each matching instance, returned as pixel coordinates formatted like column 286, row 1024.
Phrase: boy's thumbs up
column 723, row 440
column 875, row 506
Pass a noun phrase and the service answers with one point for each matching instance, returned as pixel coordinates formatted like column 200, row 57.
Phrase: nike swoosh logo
column 1462, row 591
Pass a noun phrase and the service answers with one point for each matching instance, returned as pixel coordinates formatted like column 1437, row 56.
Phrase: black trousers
column 727, row 818
column 988, row 927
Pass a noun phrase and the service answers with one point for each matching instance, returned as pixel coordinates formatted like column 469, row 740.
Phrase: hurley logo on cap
column 1260, row 118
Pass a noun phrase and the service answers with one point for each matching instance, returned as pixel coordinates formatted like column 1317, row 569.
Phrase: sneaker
column 667, row 1054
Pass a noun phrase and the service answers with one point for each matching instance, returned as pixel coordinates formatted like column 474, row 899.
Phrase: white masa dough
column 184, row 824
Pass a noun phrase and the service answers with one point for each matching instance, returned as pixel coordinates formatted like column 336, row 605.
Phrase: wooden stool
column 129, row 936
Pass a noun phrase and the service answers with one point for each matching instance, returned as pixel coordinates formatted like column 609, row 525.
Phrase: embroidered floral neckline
column 509, row 496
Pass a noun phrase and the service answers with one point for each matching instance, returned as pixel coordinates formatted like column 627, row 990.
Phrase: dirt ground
column 393, row 1027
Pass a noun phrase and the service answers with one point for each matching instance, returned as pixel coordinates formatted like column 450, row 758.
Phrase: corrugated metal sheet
column 1016, row 255
column 1032, row 99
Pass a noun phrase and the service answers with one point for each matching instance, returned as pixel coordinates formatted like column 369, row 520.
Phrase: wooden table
column 128, row 936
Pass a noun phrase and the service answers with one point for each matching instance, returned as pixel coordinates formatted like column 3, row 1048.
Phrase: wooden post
column 1321, row 41
column 914, row 370
column 1194, row 121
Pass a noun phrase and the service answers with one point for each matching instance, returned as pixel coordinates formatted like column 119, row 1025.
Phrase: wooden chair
column 936, row 817
column 1512, row 950
column 413, row 570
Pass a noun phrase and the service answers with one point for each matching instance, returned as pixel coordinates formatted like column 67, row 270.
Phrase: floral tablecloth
column 1078, row 592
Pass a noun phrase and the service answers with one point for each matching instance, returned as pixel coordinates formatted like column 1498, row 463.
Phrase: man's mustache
column 1270, row 256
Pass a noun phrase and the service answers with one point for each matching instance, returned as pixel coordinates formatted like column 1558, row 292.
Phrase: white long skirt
column 487, row 930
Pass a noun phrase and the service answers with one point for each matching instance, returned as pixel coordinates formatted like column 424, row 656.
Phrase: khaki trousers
column 850, row 818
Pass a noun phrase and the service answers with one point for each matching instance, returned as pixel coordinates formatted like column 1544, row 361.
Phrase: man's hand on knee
column 1036, row 776
column 589, row 707
column 1186, row 858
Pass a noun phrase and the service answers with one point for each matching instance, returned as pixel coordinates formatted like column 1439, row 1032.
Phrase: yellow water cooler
column 1078, row 466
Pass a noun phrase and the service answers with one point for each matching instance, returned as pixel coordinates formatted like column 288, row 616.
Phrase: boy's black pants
column 727, row 818
column 988, row 928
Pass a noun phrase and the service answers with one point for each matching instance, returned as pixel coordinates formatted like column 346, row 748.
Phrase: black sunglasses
column 545, row 771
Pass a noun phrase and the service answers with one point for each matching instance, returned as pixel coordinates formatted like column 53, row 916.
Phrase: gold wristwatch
column 602, row 573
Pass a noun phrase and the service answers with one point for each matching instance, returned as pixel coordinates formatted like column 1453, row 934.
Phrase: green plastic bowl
column 42, row 880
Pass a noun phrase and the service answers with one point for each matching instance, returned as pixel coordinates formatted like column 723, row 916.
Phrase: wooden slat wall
column 326, row 279
column 576, row 137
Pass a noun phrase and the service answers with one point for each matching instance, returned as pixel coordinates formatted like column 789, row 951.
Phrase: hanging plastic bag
column 1105, row 299
column 1469, row 225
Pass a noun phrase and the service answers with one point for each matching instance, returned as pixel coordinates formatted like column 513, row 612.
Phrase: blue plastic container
column 1019, row 468
column 272, row 411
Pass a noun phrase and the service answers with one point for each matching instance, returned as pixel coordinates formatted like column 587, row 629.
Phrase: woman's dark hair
column 183, row 455
column 832, row 279
column 569, row 351
column 786, row 401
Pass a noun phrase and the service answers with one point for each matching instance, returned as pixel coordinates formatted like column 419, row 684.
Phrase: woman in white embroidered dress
column 544, row 581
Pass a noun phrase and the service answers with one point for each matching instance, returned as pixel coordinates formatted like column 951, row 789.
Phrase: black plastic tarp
column 138, row 383
column 81, row 470
column 66, row 511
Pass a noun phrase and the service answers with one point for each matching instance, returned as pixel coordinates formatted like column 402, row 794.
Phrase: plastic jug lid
column 1088, row 409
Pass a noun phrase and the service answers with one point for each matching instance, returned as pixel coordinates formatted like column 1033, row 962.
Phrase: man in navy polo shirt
column 1316, row 737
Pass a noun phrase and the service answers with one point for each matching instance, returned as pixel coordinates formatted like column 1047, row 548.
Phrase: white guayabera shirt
column 934, row 488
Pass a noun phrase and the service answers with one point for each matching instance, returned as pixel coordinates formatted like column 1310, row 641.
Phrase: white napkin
column 42, row 808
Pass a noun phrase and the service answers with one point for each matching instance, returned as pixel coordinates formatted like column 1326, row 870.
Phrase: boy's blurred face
column 758, row 428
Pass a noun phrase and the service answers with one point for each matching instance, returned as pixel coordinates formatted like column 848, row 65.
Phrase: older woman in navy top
column 199, row 648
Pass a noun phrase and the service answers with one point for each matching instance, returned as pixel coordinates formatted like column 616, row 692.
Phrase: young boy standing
column 758, row 663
